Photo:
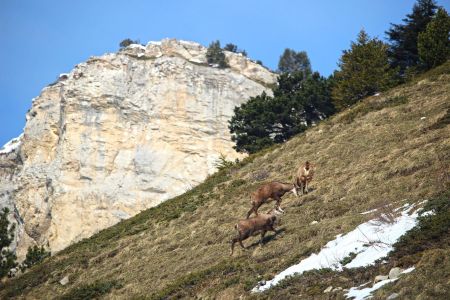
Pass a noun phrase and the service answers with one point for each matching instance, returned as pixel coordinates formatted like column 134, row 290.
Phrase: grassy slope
column 379, row 152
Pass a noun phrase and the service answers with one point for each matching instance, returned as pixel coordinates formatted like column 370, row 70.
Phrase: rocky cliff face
column 121, row 133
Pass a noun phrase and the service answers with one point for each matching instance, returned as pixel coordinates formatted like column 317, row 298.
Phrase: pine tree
column 231, row 47
column 215, row 55
column 234, row 48
column 433, row 43
column 35, row 255
column 127, row 42
column 403, row 37
column 364, row 70
column 297, row 103
column 7, row 257
column 291, row 61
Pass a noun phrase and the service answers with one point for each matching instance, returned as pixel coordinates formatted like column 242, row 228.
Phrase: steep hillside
column 390, row 149
column 120, row 133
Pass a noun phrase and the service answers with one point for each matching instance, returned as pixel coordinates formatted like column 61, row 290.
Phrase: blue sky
column 41, row 39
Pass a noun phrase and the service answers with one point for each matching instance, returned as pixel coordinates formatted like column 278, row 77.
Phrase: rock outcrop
column 121, row 133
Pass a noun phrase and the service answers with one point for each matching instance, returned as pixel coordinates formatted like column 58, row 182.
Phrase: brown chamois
column 260, row 223
column 272, row 190
column 304, row 176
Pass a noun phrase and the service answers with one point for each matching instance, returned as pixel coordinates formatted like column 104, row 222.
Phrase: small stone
column 380, row 278
column 328, row 289
column 423, row 118
column 64, row 281
column 395, row 273
column 392, row 296
column 313, row 222
column 337, row 289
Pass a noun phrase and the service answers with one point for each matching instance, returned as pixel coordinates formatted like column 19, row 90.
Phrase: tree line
column 302, row 97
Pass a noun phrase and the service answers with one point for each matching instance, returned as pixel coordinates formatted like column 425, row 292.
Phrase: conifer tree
column 7, row 257
column 35, row 255
column 434, row 43
column 215, row 55
column 296, row 104
column 231, row 47
column 403, row 37
column 292, row 61
column 364, row 70
column 127, row 42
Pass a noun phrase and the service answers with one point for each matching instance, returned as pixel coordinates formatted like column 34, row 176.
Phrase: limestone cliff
column 121, row 133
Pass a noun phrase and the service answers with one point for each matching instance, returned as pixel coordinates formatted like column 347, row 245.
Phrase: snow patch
column 157, row 43
column 370, row 241
column 11, row 145
column 138, row 46
column 359, row 294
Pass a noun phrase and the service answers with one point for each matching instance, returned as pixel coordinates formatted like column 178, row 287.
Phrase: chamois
column 304, row 176
column 274, row 190
column 260, row 223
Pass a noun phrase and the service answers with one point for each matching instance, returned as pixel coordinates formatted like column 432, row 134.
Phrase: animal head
column 275, row 218
column 307, row 165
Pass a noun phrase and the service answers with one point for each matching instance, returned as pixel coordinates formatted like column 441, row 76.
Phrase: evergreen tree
column 35, row 255
column 297, row 103
column 234, row 48
column 251, row 125
column 403, row 37
column 231, row 47
column 291, row 61
column 7, row 257
column 434, row 43
column 364, row 70
column 215, row 55
column 127, row 42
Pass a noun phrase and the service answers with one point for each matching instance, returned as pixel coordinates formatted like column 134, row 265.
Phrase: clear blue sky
column 41, row 39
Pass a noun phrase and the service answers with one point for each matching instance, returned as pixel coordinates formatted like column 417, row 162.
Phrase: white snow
column 11, row 145
column 158, row 43
column 370, row 241
column 139, row 46
column 356, row 294
column 360, row 294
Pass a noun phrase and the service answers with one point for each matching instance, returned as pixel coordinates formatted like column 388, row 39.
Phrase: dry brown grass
column 378, row 155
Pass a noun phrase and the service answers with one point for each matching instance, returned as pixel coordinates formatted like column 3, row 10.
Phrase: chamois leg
column 263, row 233
column 250, row 211
column 240, row 243
column 273, row 228
column 278, row 204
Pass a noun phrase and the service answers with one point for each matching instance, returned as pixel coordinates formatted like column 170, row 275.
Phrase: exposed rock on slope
column 121, row 133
